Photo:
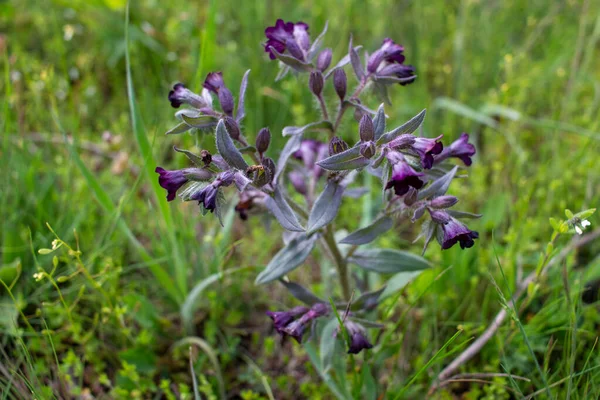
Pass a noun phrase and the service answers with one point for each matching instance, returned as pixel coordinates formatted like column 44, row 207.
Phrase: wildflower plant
column 306, row 185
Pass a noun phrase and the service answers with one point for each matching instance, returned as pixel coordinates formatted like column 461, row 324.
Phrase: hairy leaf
column 200, row 122
column 439, row 186
column 182, row 127
column 288, row 258
column 379, row 122
column 313, row 126
column 355, row 61
column 301, row 293
column 463, row 214
column 326, row 207
column 292, row 62
column 388, row 261
column 398, row 281
column 292, row 145
column 317, row 43
column 283, row 212
column 241, row 113
column 346, row 160
column 408, row 127
column 368, row 234
column 192, row 157
column 227, row 148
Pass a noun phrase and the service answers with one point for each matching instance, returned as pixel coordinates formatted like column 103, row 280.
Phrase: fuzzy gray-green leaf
column 283, row 212
column 388, row 261
column 439, row 186
column 227, row 148
column 369, row 233
column 346, row 160
column 288, row 258
column 326, row 207
column 408, row 127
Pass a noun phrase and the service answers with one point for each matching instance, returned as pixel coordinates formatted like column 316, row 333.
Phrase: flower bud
column 366, row 129
column 339, row 82
column 411, row 197
column 206, row 157
column 443, row 202
column 263, row 139
column 232, row 127
column 226, row 100
column 337, row 145
column 368, row 149
column 315, row 83
column 294, row 49
column 324, row 59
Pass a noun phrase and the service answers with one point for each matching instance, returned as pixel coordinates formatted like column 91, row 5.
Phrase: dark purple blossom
column 460, row 148
column 171, row 181
column 295, row 326
column 406, row 73
column 358, row 338
column 453, row 230
column 426, row 149
column 287, row 35
column 389, row 52
column 403, row 175
column 282, row 318
column 214, row 82
column 181, row 95
column 207, row 196
column 298, row 180
column 310, row 152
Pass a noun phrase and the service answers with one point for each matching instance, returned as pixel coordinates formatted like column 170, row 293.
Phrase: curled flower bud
column 368, row 149
column 339, row 82
column 263, row 139
column 172, row 181
column 453, row 231
column 214, row 81
column 337, row 145
column 460, row 148
column 232, row 128
column 324, row 59
column 366, row 129
column 226, row 100
column 443, row 202
column 315, row 83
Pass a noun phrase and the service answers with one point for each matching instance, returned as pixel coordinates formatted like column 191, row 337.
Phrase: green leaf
column 301, row 293
column 355, row 61
column 398, row 281
column 280, row 208
column 313, row 126
column 227, row 148
column 292, row 62
column 438, row 187
column 408, row 127
column 369, row 233
column 326, row 207
column 182, row 127
column 241, row 111
column 328, row 344
column 191, row 156
column 200, row 122
column 346, row 160
column 389, row 261
column 379, row 122
column 288, row 259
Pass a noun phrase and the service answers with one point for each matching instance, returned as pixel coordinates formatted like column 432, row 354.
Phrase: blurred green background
column 106, row 317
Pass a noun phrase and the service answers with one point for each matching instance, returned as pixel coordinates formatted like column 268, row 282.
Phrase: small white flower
column 585, row 223
column 578, row 230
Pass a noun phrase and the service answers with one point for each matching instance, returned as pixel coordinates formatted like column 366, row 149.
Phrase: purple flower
column 453, row 230
column 358, row 339
column 298, row 181
column 287, row 324
column 460, row 148
column 207, row 196
column 403, row 175
column 427, row 148
column 389, row 52
column 181, row 95
column 214, row 82
column 171, row 180
column 287, row 35
column 404, row 72
column 310, row 152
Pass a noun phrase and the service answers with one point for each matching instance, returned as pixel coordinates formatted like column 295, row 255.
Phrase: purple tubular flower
column 405, row 72
column 404, row 177
column 460, row 148
column 308, row 152
column 181, row 95
column 282, row 318
column 172, row 181
column 453, row 230
column 358, row 339
column 389, row 51
column 214, row 82
column 297, row 179
column 324, row 59
column 287, row 35
column 207, row 197
column 295, row 328
column 427, row 148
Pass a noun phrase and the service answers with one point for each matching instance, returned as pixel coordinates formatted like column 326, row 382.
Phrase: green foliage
column 95, row 305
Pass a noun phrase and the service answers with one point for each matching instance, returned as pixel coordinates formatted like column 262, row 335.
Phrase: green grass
column 522, row 77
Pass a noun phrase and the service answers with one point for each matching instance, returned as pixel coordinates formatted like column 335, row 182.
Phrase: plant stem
column 343, row 106
column 340, row 262
column 323, row 107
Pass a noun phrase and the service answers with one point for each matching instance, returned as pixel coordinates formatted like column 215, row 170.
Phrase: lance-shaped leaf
column 292, row 62
column 283, row 71
column 301, row 293
column 317, row 43
column 344, row 61
column 367, row 300
column 388, row 261
column 390, row 80
column 439, row 186
column 180, row 128
column 379, row 122
column 200, row 122
column 408, row 127
column 292, row 145
column 463, row 214
column 398, row 281
column 227, row 149
column 355, row 61
column 191, row 156
column 369, row 233
column 313, row 126
column 288, row 258
column 241, row 113
column 346, row 160
column 283, row 212
column 326, row 207
column 358, row 105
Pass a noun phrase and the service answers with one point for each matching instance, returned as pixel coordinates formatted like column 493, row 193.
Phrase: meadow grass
column 134, row 282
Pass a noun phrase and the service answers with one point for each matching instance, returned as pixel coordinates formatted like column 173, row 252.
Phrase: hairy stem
column 343, row 106
column 340, row 262
column 323, row 107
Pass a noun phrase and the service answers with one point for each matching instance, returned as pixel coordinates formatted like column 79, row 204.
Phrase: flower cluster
column 320, row 162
